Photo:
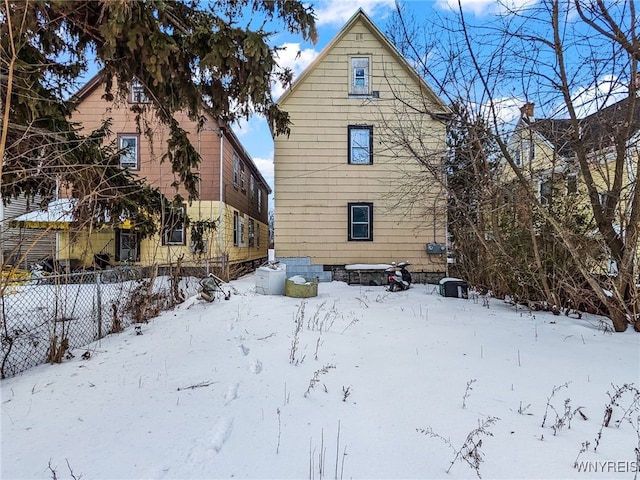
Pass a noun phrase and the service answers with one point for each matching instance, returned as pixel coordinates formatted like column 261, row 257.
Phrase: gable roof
column 598, row 130
column 361, row 16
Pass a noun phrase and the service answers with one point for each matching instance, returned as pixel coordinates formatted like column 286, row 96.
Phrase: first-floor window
column 546, row 191
column 129, row 151
column 236, row 226
column 258, row 234
column 360, row 221
column 251, row 232
column 238, row 230
column 127, row 246
column 173, row 232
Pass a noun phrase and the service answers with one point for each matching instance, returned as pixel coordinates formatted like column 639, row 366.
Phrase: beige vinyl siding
column 314, row 182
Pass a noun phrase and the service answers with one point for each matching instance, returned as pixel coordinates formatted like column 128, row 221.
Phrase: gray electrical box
column 433, row 248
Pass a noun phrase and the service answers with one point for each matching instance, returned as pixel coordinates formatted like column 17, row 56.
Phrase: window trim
column 236, row 225
column 123, row 136
column 350, row 223
column 137, row 93
column 120, row 235
column 359, row 90
column 352, row 128
column 236, row 170
column 252, row 232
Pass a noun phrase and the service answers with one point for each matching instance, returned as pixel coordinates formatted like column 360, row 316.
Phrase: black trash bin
column 454, row 287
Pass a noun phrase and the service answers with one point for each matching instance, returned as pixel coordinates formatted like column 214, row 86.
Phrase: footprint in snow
column 255, row 366
column 243, row 350
column 232, row 393
column 221, row 432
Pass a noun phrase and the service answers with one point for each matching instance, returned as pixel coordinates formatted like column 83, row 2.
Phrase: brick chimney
column 527, row 110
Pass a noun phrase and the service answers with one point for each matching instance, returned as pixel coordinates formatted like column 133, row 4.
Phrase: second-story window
column 138, row 94
column 242, row 178
column 360, row 144
column 360, row 76
column 252, row 187
column 236, row 170
column 129, row 151
column 259, row 199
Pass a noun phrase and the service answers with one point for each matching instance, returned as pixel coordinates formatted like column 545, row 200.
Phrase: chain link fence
column 43, row 319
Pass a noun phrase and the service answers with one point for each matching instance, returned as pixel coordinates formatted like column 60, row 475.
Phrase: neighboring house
column 543, row 149
column 237, row 198
column 344, row 191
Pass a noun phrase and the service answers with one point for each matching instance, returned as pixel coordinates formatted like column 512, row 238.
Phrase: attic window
column 138, row 94
column 359, row 37
column 360, row 76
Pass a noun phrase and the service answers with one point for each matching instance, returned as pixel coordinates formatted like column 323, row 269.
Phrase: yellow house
column 545, row 152
column 347, row 193
column 232, row 192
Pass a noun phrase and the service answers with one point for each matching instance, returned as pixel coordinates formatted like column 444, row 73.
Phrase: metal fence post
column 99, row 302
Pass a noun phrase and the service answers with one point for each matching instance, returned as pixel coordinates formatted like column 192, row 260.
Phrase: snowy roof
column 58, row 215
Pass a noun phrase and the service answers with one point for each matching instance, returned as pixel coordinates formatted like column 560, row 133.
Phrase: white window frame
column 360, row 76
column 351, row 236
column 545, row 191
column 259, row 199
column 137, row 92
column 236, row 170
column 252, row 232
column 129, row 145
column 241, row 230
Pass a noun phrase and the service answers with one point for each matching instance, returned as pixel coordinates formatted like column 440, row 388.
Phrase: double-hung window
column 236, row 170
column 251, row 232
column 137, row 93
column 360, row 76
column 360, row 221
column 360, row 144
column 174, row 232
column 129, row 151
column 238, row 230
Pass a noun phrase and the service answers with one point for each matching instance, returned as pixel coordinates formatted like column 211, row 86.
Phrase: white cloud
column 292, row 57
column 337, row 12
column 242, row 127
column 507, row 110
column 484, row 7
column 607, row 91
column 265, row 165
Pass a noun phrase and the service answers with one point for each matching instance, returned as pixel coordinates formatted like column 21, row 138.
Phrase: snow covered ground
column 354, row 383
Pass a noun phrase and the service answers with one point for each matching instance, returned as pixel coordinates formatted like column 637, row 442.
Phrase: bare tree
column 577, row 62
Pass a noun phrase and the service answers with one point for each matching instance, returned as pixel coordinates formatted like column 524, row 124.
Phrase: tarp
column 57, row 216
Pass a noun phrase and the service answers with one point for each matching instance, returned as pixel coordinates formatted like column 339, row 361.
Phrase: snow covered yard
column 354, row 383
